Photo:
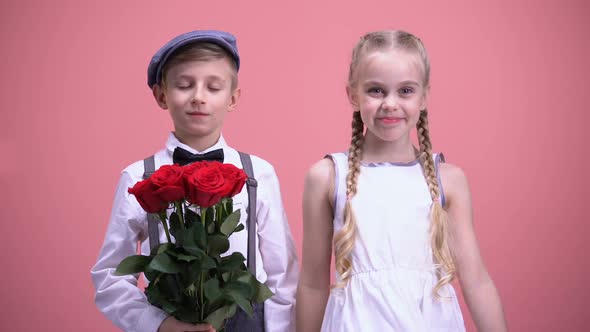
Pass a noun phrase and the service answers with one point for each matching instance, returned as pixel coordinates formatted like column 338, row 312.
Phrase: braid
column 439, row 219
column 426, row 149
column 344, row 239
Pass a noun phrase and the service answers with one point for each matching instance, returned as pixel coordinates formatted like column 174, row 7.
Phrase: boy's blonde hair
column 200, row 51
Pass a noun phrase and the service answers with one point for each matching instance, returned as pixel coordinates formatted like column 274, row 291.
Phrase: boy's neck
column 199, row 143
column 376, row 150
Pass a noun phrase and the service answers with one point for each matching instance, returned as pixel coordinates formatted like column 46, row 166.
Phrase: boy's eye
column 184, row 86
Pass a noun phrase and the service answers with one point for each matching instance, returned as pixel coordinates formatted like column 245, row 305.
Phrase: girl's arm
column 314, row 283
column 479, row 290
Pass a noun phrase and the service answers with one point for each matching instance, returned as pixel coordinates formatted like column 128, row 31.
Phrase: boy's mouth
column 197, row 113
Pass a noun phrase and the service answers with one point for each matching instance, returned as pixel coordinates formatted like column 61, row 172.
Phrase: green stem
column 163, row 218
column 202, row 284
column 219, row 211
column 203, row 216
column 180, row 212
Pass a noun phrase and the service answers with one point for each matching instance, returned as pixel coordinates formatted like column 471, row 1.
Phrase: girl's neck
column 376, row 150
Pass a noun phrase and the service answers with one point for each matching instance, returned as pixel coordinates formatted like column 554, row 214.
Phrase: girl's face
column 389, row 92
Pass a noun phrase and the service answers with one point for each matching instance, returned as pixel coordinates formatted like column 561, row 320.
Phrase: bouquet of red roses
column 188, row 277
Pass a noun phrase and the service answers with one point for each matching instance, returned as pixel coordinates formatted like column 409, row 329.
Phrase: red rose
column 235, row 179
column 206, row 185
column 145, row 193
column 170, row 183
column 189, row 169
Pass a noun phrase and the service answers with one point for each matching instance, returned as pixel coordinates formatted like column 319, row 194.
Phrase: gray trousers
column 242, row 323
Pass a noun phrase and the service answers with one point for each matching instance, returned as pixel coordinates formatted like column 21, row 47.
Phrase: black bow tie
column 183, row 157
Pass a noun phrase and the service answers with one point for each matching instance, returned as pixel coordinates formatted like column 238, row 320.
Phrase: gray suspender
column 149, row 166
column 251, row 184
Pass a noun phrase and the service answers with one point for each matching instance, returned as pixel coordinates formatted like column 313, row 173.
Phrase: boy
column 194, row 77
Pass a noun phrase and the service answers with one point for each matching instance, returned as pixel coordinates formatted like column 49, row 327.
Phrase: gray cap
column 221, row 38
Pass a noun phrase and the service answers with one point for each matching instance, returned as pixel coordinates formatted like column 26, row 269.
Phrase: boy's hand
column 171, row 324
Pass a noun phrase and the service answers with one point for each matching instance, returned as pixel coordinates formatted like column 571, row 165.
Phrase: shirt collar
column 173, row 142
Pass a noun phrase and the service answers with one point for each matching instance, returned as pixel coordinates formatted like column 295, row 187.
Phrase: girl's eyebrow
column 410, row 82
column 375, row 82
column 372, row 82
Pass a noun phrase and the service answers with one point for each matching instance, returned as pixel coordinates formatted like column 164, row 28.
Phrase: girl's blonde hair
column 439, row 233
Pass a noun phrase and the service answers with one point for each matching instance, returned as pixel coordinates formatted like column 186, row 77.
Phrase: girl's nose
column 390, row 103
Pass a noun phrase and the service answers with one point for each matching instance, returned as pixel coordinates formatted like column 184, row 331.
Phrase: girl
column 399, row 218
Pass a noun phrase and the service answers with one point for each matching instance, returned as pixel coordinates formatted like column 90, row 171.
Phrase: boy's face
column 198, row 94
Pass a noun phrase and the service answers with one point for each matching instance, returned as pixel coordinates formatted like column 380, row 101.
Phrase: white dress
column 393, row 274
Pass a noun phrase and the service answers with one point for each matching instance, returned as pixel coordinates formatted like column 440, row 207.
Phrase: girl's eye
column 376, row 91
column 214, row 88
column 405, row 91
column 184, row 86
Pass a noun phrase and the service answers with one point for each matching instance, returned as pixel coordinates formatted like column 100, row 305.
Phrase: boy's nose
column 198, row 97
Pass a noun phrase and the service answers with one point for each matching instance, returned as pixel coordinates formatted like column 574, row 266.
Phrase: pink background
column 509, row 105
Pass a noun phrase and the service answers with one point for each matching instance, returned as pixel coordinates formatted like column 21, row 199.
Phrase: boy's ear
column 235, row 96
column 352, row 97
column 160, row 96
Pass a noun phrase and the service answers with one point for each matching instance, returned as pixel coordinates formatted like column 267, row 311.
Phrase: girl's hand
column 171, row 324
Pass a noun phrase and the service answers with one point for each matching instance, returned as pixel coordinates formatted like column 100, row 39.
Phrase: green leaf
column 155, row 297
column 164, row 263
column 132, row 264
column 175, row 226
column 199, row 234
column 239, row 228
column 242, row 288
column 194, row 250
column 171, row 287
column 207, row 263
column 212, row 290
column 225, row 276
column 183, row 257
column 151, row 274
column 211, row 228
column 218, row 244
column 164, row 247
column 187, row 315
column 217, row 317
column 232, row 262
column 193, row 238
column 209, row 215
column 245, row 277
column 193, row 275
column 242, row 302
column 191, row 217
column 230, row 223
column 261, row 291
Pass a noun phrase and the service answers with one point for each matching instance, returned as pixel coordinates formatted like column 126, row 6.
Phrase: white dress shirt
column 126, row 305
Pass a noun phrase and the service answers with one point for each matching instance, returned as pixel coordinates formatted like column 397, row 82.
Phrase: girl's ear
column 160, row 96
column 425, row 95
column 352, row 97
